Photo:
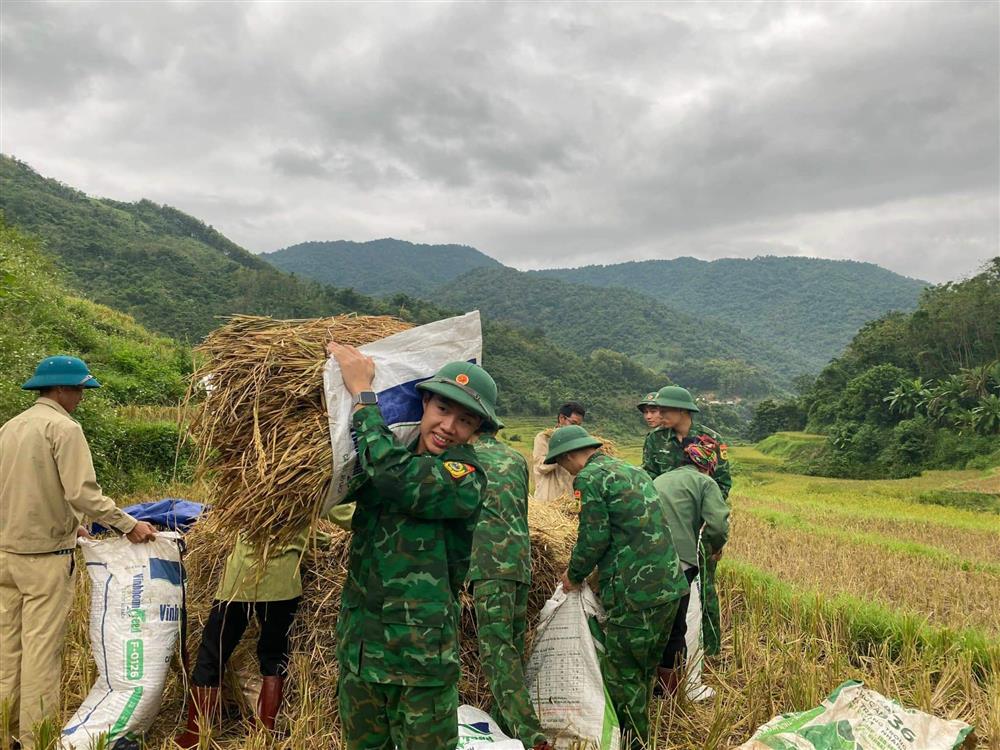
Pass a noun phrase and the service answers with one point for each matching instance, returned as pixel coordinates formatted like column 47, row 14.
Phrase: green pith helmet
column 468, row 385
column 648, row 400
column 61, row 370
column 676, row 397
column 569, row 438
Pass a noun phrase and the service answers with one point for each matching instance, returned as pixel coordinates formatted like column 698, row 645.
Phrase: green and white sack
column 856, row 718
column 564, row 674
column 136, row 595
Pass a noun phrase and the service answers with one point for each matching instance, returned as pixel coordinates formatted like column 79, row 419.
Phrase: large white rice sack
column 135, row 614
column 564, row 674
column 401, row 362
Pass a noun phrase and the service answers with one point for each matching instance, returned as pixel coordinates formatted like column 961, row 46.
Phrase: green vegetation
column 691, row 349
column 911, row 391
column 808, row 306
column 380, row 267
column 39, row 317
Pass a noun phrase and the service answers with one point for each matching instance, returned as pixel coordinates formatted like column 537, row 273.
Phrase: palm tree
column 987, row 415
column 908, row 397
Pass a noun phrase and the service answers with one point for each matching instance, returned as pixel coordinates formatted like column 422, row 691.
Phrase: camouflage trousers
column 711, row 614
column 501, row 624
column 634, row 640
column 378, row 716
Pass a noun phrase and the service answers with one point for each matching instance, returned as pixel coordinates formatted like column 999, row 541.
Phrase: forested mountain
column 380, row 267
column 809, row 306
column 684, row 344
column 911, row 390
column 176, row 275
column 167, row 269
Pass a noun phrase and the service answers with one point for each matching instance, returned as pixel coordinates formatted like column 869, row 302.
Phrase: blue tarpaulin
column 172, row 513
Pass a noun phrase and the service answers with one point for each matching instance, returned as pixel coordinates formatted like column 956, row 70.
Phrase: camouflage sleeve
column 647, row 457
column 423, row 486
column 594, row 536
column 715, row 514
column 722, row 476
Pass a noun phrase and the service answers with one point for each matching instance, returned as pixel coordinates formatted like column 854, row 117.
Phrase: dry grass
column 781, row 653
column 262, row 426
column 946, row 594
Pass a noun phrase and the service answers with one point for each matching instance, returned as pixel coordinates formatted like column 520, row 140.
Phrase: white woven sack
column 401, row 362
column 564, row 674
column 478, row 731
column 135, row 607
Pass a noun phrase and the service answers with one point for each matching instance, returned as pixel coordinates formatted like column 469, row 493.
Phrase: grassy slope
column 39, row 317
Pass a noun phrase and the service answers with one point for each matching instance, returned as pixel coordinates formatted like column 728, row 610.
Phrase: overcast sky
column 543, row 134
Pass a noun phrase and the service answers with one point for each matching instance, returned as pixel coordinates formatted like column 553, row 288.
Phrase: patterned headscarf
column 703, row 452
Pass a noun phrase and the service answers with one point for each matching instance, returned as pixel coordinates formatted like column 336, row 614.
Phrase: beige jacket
column 551, row 480
column 47, row 482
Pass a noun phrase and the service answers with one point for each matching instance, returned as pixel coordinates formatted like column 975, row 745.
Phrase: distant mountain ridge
column 585, row 318
column 811, row 306
column 402, row 267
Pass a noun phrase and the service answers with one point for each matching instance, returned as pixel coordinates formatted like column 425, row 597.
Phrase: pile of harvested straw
column 311, row 706
column 262, row 427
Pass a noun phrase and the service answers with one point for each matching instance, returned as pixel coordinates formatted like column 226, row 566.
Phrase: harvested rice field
column 824, row 581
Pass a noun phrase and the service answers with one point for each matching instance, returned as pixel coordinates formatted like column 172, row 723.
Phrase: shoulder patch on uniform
column 723, row 451
column 457, row 469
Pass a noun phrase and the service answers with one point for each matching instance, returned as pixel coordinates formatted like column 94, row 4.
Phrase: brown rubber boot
column 668, row 680
column 270, row 701
column 543, row 745
column 203, row 707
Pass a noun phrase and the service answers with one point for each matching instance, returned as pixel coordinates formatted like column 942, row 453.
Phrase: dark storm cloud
column 543, row 134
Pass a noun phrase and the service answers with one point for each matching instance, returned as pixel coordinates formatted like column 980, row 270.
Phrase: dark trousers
column 225, row 627
column 676, row 650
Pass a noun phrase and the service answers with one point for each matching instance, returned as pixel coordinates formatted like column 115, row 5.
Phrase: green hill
column 175, row 275
column 686, row 345
column 170, row 271
column 380, row 267
column 39, row 317
column 809, row 306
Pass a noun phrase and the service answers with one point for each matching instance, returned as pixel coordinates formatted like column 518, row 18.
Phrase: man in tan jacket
column 47, row 486
column 551, row 480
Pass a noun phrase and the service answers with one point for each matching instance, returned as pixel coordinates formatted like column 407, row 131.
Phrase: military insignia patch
column 650, row 396
column 462, row 379
column 457, row 469
column 724, row 452
column 578, row 496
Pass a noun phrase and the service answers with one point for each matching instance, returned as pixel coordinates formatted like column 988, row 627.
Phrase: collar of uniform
column 695, row 431
column 594, row 455
column 41, row 400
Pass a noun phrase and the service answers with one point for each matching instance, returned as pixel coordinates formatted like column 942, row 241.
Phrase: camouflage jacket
column 624, row 532
column 501, row 548
column 662, row 452
column 412, row 532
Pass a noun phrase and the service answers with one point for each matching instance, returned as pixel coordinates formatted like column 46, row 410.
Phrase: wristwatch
column 365, row 398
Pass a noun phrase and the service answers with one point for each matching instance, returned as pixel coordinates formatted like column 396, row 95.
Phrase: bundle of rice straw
column 262, row 427
column 311, row 706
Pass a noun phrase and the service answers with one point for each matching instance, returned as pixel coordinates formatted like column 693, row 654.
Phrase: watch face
column 367, row 398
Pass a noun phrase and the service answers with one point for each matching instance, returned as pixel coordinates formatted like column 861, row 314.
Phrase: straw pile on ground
column 310, row 711
column 262, row 426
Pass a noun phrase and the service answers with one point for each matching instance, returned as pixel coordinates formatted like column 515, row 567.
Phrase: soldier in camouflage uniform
column 663, row 452
column 624, row 533
column 415, row 514
column 499, row 579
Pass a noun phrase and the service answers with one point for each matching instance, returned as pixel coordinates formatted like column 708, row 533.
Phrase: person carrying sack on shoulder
column 414, row 519
column 623, row 533
column 47, row 487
